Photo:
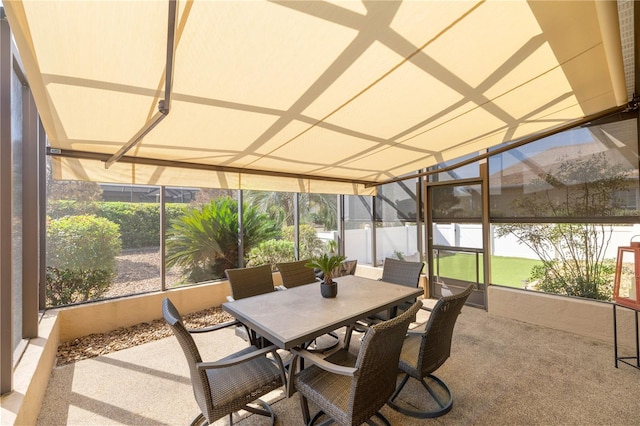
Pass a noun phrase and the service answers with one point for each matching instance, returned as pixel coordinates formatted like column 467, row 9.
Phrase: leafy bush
column 65, row 286
column 81, row 257
column 556, row 277
column 60, row 208
column 271, row 252
column 139, row 222
column 310, row 244
column 82, row 243
column 204, row 242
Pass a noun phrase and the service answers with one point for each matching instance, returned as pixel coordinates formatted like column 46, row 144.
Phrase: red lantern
column 626, row 288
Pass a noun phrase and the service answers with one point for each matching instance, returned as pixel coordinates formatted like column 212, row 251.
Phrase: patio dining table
column 290, row 318
column 293, row 317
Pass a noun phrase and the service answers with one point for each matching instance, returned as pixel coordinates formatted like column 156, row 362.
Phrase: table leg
column 293, row 367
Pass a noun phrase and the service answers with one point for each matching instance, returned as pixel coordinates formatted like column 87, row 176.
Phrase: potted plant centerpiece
column 327, row 263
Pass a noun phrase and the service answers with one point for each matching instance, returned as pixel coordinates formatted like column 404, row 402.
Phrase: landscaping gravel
column 137, row 272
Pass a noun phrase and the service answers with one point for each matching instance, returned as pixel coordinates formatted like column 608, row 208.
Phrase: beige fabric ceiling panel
column 319, row 96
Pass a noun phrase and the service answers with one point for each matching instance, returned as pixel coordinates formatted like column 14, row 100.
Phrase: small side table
column 625, row 359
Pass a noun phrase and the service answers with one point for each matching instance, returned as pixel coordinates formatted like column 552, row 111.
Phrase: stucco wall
column 587, row 318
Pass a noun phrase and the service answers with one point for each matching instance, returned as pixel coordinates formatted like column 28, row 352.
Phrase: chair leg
column 445, row 404
column 399, row 388
column 379, row 415
column 198, row 420
column 267, row 411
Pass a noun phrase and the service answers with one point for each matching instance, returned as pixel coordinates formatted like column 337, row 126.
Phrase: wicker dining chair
column 348, row 267
column 400, row 272
column 348, row 388
column 225, row 386
column 296, row 273
column 425, row 351
column 247, row 282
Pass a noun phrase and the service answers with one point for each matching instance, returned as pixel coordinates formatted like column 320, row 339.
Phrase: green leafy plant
column 271, row 252
column 83, row 242
column 326, row 263
column 310, row 244
column 81, row 258
column 66, row 286
column 139, row 222
column 204, row 242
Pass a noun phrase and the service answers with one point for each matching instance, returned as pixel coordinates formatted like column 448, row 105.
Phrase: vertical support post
column 6, row 207
column 42, row 219
column 374, row 244
column 419, row 219
column 163, row 239
column 340, row 205
column 31, row 211
column 296, row 226
column 240, row 230
column 428, row 232
column 486, row 229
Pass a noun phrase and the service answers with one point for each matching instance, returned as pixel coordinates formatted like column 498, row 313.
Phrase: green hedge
column 83, row 242
column 139, row 222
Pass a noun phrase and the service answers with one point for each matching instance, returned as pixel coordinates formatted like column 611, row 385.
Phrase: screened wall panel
column 587, row 172
column 396, row 231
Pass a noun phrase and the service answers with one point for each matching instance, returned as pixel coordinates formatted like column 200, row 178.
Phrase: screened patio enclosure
column 347, row 98
column 332, row 97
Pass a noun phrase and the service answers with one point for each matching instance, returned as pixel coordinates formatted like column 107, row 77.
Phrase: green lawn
column 508, row 271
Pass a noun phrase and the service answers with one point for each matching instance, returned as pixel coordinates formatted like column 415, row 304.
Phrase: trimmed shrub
column 82, row 250
column 60, row 208
column 271, row 252
column 310, row 245
column 65, row 286
column 82, row 242
column 139, row 222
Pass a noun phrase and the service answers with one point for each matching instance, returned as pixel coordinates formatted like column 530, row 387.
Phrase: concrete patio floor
column 501, row 372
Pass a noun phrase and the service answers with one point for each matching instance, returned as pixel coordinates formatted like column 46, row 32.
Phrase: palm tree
column 204, row 242
column 280, row 207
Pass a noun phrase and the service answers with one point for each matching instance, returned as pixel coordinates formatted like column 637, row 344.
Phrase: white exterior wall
column 404, row 239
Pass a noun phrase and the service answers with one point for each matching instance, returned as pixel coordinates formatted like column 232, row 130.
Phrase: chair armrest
column 417, row 331
column 324, row 364
column 214, row 327
column 237, row 360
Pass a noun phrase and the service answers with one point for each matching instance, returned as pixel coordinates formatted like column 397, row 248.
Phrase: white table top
column 292, row 317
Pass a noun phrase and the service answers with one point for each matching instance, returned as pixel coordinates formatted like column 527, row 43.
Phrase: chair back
column 296, row 273
column 435, row 346
column 247, row 282
column 348, row 267
column 377, row 364
column 199, row 379
column 401, row 272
